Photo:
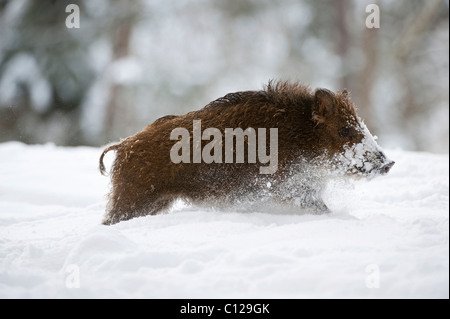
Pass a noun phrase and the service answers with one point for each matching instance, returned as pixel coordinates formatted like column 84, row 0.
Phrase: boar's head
column 343, row 137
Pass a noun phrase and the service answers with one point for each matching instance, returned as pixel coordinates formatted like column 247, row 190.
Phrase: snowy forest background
column 131, row 62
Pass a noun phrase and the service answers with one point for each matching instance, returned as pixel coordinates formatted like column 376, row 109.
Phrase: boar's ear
column 324, row 105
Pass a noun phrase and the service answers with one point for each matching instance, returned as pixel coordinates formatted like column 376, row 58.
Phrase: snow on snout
column 365, row 158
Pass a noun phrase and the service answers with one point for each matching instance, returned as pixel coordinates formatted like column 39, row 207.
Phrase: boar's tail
column 101, row 164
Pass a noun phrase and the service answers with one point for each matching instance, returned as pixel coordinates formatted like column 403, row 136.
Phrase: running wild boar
column 282, row 143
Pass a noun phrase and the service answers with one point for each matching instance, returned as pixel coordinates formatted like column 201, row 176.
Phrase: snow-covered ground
column 386, row 238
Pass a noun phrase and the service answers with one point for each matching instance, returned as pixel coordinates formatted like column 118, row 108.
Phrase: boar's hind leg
column 119, row 213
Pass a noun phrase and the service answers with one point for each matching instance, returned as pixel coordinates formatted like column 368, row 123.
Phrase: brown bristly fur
column 145, row 181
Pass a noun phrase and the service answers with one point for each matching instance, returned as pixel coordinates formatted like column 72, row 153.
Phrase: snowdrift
column 387, row 238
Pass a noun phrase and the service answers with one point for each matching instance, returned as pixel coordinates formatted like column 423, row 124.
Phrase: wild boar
column 309, row 135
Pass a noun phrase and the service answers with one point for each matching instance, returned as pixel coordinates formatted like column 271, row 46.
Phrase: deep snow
column 388, row 237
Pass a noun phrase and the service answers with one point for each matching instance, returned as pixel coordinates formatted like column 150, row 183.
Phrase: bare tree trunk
column 116, row 113
column 343, row 39
column 367, row 75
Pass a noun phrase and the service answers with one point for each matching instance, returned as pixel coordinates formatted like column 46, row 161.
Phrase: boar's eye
column 345, row 132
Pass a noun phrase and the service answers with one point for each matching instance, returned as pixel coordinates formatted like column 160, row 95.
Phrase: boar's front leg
column 304, row 196
column 312, row 199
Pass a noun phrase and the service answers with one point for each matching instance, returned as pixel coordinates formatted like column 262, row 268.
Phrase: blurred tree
column 365, row 78
column 118, row 114
column 418, row 103
column 134, row 61
column 42, row 72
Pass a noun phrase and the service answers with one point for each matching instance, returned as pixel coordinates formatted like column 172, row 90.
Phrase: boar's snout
column 365, row 159
column 386, row 163
column 386, row 168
